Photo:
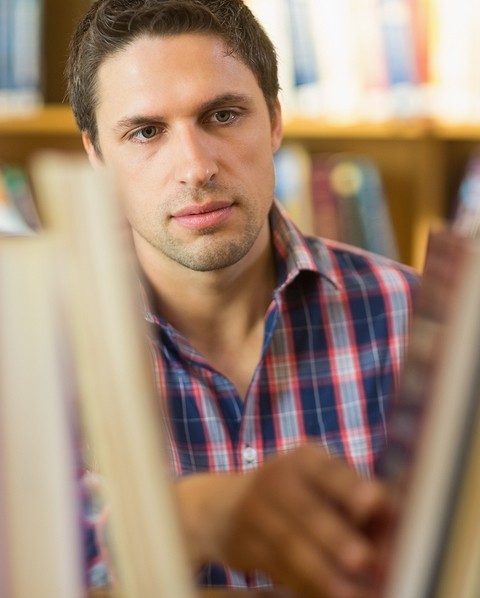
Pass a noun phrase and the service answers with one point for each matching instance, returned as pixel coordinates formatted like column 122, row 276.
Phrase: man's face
column 186, row 131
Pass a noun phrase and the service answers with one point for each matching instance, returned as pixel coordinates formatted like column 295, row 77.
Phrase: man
column 276, row 354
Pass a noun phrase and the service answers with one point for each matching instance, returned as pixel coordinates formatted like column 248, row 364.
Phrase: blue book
column 21, row 29
column 398, row 40
column 303, row 45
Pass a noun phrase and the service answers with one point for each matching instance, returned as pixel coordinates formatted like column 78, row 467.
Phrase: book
column 307, row 73
column 346, row 181
column 21, row 63
column 430, row 426
column 453, row 44
column 399, row 43
column 12, row 221
column 466, row 213
column 293, row 171
column 374, row 211
column 327, row 220
column 39, row 499
column 338, row 58
column 17, row 186
column 375, row 86
column 362, row 205
column 4, row 22
column 420, row 25
column 119, row 405
column 459, row 568
column 275, row 19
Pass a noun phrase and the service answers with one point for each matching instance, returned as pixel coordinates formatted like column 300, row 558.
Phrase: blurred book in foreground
column 40, row 548
column 435, row 421
column 117, row 398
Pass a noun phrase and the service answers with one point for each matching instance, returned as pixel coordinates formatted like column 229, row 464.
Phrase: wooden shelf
column 54, row 119
column 306, row 128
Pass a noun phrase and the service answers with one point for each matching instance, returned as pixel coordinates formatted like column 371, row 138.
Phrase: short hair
column 110, row 25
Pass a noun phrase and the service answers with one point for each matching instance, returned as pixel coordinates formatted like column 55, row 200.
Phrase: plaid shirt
column 334, row 342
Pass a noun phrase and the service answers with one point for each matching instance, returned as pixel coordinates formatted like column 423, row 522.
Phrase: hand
column 306, row 519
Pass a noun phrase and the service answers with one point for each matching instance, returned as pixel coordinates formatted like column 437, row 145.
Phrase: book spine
column 346, row 180
column 109, row 345
column 21, row 55
column 427, row 428
column 308, row 79
column 326, row 212
column 374, row 211
column 276, row 23
column 41, row 535
column 293, row 172
column 399, row 48
column 466, row 216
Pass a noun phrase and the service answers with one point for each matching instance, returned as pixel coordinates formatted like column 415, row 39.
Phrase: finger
column 334, row 478
column 302, row 547
column 293, row 561
column 329, row 532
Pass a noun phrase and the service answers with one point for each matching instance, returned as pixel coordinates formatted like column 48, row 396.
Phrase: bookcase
column 421, row 161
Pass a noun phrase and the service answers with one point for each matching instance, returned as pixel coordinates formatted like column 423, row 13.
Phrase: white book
column 275, row 19
column 121, row 410
column 454, row 46
column 39, row 499
column 338, row 57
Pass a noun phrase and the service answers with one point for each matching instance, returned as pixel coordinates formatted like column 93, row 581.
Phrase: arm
column 306, row 519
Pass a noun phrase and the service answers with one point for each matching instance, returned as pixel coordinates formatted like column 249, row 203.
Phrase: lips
column 202, row 216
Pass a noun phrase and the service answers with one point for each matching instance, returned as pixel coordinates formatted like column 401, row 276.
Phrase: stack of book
column 376, row 59
column 336, row 196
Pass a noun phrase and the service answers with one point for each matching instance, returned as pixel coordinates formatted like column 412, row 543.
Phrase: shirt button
column 249, row 455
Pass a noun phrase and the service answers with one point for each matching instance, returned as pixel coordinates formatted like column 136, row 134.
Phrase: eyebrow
column 212, row 104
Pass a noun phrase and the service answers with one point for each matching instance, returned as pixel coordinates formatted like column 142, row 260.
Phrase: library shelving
column 421, row 161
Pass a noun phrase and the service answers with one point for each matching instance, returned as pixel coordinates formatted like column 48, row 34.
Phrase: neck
column 221, row 312
column 199, row 303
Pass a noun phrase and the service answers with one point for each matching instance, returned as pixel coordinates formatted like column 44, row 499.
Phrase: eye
column 223, row 117
column 145, row 134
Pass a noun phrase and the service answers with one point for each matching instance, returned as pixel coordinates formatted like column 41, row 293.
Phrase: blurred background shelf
column 421, row 160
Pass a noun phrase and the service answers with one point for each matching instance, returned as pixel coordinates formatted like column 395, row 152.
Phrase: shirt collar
column 295, row 253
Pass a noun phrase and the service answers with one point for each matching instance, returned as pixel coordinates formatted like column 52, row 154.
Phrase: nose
column 195, row 164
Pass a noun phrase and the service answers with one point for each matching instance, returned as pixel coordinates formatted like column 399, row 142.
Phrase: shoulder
column 343, row 266
column 355, row 269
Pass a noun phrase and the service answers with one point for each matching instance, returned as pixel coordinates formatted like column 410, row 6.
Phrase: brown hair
column 110, row 25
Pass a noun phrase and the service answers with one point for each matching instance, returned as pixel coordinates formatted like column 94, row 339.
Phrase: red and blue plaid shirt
column 335, row 338
column 334, row 343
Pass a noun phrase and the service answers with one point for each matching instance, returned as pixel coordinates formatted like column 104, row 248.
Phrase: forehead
column 173, row 68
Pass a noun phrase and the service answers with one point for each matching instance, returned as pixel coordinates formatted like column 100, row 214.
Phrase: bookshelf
column 421, row 160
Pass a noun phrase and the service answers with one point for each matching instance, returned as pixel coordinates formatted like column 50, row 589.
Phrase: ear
column 277, row 126
column 95, row 160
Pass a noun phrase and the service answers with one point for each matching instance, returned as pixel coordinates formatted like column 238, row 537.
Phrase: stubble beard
column 213, row 248
column 215, row 252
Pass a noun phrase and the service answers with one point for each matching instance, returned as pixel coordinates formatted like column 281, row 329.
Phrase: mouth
column 197, row 217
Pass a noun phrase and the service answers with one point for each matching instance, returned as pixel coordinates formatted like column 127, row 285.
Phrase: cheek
column 257, row 157
column 136, row 198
